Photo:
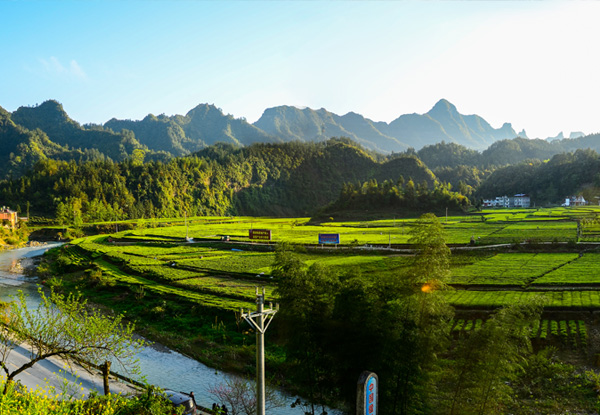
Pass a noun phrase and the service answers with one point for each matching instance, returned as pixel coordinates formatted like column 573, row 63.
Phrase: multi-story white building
column 520, row 200
column 575, row 201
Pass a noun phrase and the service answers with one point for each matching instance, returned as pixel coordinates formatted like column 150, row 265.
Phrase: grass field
column 510, row 269
column 224, row 275
column 498, row 226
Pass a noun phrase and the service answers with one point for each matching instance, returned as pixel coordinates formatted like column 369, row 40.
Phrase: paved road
column 52, row 372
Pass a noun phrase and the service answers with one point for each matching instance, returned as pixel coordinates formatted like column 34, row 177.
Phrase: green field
column 569, row 332
column 501, row 226
column 224, row 274
column 585, row 270
column 510, row 268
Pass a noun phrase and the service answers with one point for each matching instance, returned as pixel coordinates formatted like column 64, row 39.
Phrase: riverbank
column 53, row 374
column 161, row 366
column 184, row 326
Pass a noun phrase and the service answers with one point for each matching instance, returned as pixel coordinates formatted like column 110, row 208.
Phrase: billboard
column 329, row 238
column 263, row 234
column 367, row 395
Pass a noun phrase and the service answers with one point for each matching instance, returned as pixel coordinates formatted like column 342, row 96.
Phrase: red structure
column 8, row 215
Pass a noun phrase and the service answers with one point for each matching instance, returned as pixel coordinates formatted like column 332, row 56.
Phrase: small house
column 8, row 217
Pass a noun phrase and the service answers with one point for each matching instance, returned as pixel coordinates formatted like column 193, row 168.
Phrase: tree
column 488, row 361
column 432, row 261
column 64, row 327
column 307, row 298
column 417, row 319
column 239, row 396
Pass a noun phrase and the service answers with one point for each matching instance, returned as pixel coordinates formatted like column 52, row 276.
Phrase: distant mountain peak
column 576, row 134
column 560, row 136
column 204, row 110
column 443, row 105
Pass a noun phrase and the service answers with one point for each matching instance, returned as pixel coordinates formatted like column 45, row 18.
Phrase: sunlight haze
column 531, row 64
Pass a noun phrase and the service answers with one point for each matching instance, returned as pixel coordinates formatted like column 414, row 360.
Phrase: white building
column 575, row 201
column 520, row 200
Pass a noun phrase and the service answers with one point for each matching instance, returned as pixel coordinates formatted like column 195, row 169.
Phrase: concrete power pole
column 257, row 320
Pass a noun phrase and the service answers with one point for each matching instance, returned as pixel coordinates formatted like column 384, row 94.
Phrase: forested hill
column 21, row 148
column 51, row 118
column 181, row 135
column 503, row 152
column 564, row 175
column 442, row 136
column 261, row 179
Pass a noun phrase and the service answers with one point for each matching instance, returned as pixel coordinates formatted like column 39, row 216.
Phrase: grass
column 582, row 271
column 220, row 274
column 553, row 300
column 49, row 401
column 490, row 226
column 509, row 268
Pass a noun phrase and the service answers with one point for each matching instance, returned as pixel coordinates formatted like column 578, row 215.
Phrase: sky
column 533, row 64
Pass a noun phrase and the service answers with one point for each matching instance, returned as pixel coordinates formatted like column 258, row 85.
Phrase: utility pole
column 187, row 236
column 257, row 320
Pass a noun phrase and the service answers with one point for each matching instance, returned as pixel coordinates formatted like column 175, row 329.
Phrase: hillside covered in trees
column 209, row 163
column 262, row 179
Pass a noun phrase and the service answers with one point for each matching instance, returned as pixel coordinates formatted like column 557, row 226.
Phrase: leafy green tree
column 489, row 359
column 307, row 302
column 417, row 319
column 64, row 327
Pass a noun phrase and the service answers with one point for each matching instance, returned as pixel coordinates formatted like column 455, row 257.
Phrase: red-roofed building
column 9, row 216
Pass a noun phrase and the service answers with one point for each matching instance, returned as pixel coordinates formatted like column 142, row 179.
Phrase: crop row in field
column 509, row 269
column 569, row 332
column 160, row 267
column 551, row 299
column 583, row 270
column 204, row 299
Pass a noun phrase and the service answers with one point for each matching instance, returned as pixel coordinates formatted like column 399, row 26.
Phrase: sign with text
column 329, row 238
column 263, row 234
column 367, row 398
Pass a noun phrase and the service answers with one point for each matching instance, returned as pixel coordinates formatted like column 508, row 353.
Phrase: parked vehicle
column 186, row 400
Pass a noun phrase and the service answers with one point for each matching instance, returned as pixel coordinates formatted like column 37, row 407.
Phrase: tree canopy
column 65, row 327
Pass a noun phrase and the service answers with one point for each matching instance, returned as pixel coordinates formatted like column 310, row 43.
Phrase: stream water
column 160, row 365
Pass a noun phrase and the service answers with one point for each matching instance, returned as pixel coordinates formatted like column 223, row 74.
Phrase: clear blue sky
column 534, row 64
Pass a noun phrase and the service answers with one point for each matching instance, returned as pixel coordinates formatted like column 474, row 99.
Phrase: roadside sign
column 329, row 238
column 367, row 398
column 264, row 234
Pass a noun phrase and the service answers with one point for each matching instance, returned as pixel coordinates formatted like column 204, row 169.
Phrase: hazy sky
column 533, row 64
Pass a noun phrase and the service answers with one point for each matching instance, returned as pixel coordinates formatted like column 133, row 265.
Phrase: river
column 160, row 365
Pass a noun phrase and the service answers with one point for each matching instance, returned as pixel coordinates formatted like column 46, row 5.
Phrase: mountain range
column 206, row 125
column 30, row 134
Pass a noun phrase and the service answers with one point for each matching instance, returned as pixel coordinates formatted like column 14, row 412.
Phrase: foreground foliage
column 19, row 400
column 64, row 327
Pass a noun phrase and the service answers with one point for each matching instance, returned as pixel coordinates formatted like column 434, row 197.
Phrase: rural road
column 52, row 373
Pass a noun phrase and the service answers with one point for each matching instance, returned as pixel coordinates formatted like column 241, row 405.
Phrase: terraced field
column 229, row 272
column 573, row 333
column 584, row 271
column 516, row 269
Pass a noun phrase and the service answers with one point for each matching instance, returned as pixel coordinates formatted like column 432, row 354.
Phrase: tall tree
column 307, row 298
column 64, row 327
column 418, row 319
column 487, row 360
